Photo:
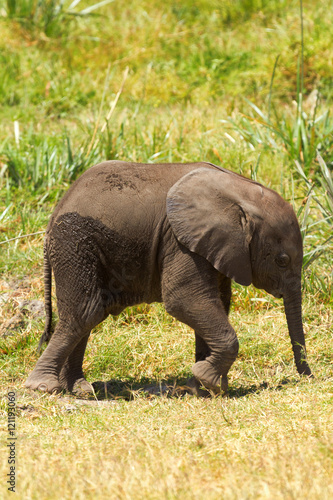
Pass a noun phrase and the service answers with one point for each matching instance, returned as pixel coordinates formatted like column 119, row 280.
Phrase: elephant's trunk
column 293, row 310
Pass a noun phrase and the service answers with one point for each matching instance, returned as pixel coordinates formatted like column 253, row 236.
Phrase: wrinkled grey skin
column 128, row 233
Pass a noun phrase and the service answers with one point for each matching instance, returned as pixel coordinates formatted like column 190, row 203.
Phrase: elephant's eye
column 282, row 260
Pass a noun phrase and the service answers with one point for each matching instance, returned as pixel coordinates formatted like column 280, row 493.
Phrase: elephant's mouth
column 273, row 290
column 270, row 285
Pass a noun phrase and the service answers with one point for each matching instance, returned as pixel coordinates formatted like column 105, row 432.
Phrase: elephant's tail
column 47, row 299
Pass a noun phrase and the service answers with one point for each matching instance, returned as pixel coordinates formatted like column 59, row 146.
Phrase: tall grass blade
column 90, row 9
column 271, row 89
column 302, row 48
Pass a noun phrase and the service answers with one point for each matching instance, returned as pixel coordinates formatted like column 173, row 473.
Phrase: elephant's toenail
column 42, row 387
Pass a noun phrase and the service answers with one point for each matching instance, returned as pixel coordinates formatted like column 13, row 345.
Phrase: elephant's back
column 110, row 222
column 121, row 194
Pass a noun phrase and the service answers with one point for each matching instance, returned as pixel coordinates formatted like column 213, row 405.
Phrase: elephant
column 128, row 233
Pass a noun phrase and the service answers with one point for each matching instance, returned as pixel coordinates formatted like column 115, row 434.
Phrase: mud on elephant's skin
column 128, row 233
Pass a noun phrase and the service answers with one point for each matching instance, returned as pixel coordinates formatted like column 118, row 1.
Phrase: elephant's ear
column 208, row 216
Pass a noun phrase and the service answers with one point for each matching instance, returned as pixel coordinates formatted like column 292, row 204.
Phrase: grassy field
column 227, row 82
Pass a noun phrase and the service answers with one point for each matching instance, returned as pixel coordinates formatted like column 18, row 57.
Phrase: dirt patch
column 16, row 305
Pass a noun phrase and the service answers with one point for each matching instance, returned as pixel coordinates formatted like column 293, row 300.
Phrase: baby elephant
column 127, row 233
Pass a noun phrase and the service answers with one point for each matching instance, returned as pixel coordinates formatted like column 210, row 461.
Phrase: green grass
column 200, row 85
column 51, row 18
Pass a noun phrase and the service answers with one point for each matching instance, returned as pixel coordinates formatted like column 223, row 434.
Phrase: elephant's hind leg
column 71, row 377
column 46, row 375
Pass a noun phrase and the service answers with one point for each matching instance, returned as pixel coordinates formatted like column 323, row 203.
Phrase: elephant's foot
column 207, row 375
column 44, row 382
column 82, row 388
column 75, row 383
column 193, row 386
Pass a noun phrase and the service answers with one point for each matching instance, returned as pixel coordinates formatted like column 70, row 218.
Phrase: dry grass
column 272, row 439
column 276, row 443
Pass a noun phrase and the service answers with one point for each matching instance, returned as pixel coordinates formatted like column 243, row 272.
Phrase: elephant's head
column 248, row 233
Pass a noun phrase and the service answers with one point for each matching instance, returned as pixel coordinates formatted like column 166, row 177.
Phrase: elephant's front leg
column 190, row 288
column 216, row 350
column 202, row 350
column 225, row 292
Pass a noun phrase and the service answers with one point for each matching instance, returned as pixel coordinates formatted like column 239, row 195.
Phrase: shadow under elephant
column 131, row 389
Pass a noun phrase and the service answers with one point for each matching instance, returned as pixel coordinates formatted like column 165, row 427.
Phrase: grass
column 271, row 439
column 200, row 85
column 51, row 18
column 140, row 437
